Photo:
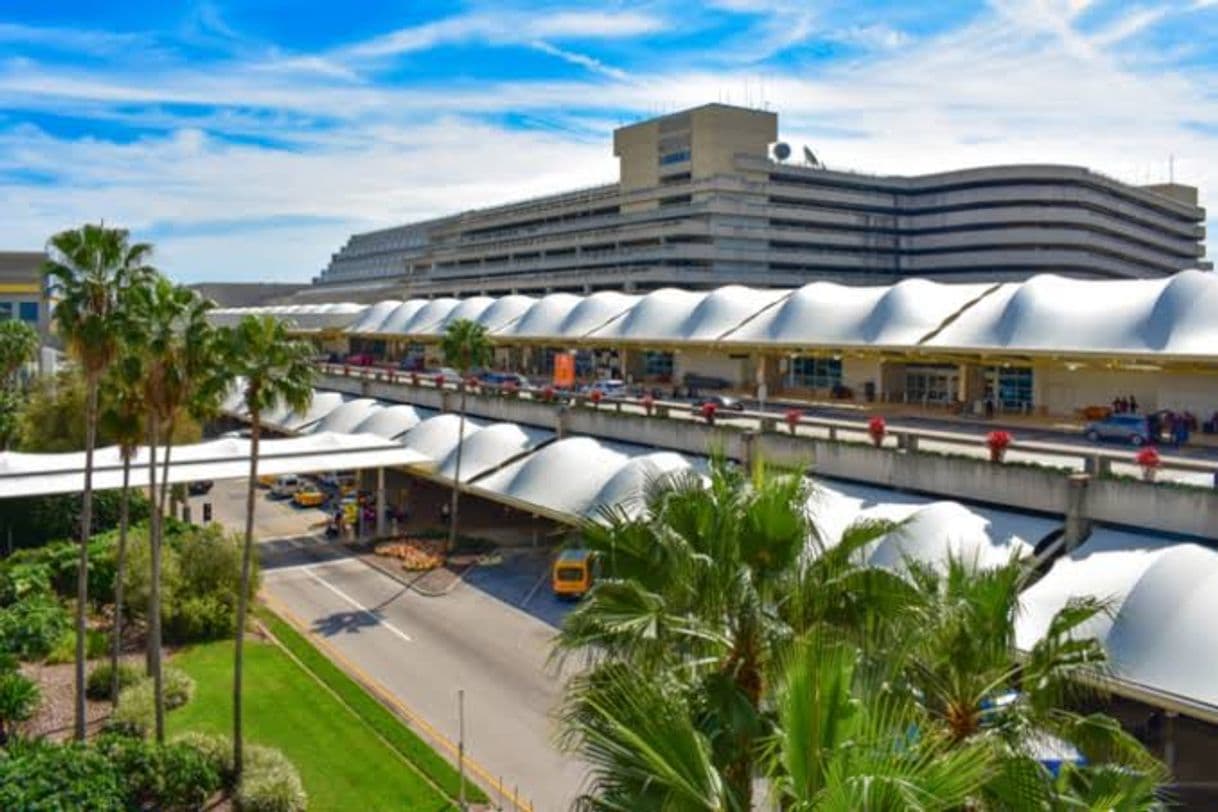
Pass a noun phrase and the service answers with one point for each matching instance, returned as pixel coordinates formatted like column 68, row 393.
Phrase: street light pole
column 461, row 745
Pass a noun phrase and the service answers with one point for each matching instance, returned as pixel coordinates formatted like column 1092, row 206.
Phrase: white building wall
column 1063, row 391
column 716, row 363
column 857, row 371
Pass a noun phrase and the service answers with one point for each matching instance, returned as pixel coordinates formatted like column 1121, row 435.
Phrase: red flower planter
column 998, row 442
column 877, row 429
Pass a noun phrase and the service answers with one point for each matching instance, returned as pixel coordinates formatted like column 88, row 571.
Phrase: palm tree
column 87, row 270
column 964, row 669
column 18, row 344
column 273, row 370
column 123, row 419
column 840, row 740
column 465, row 347
column 710, row 584
column 182, row 370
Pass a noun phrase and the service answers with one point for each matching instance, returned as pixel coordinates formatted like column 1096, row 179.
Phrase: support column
column 1169, row 741
column 1077, row 524
column 380, row 502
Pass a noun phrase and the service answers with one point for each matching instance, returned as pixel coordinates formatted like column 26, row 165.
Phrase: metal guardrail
column 1093, row 459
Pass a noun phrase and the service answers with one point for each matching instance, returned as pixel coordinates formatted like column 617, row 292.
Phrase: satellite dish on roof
column 782, row 151
column 809, row 158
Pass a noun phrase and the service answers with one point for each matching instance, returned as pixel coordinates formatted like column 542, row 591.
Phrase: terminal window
column 815, row 373
column 28, row 312
column 657, row 365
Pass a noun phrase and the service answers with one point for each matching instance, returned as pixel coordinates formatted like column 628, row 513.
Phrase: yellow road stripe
column 489, row 781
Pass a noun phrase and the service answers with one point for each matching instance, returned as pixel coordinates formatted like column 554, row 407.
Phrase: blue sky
column 249, row 139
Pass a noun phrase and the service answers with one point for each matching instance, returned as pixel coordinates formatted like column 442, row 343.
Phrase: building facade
column 701, row 201
column 22, row 291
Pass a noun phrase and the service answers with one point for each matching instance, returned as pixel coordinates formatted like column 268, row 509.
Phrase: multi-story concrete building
column 702, row 201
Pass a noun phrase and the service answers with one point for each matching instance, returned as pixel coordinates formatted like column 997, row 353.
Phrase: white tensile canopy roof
column 284, row 419
column 1047, row 312
column 931, row 531
column 40, row 474
column 304, row 317
column 346, row 417
column 489, row 447
column 1174, row 315
column 1161, row 632
column 393, row 420
column 572, row 478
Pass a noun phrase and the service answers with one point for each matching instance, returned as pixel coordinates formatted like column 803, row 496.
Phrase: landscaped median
column 350, row 751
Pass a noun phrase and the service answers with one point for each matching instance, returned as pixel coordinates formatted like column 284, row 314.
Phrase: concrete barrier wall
column 1165, row 508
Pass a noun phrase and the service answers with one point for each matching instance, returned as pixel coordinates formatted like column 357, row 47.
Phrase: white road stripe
column 380, row 621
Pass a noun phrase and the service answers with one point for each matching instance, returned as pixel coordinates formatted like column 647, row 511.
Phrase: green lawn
column 343, row 763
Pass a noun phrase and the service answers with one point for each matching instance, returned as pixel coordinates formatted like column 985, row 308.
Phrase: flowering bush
column 648, row 403
column 439, row 381
column 793, row 416
column 415, row 554
column 997, row 442
column 547, row 394
column 877, row 428
column 595, row 396
column 708, row 412
column 472, row 383
column 1149, row 460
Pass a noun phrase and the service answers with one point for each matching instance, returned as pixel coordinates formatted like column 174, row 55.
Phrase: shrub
column 136, row 713
column 98, row 685
column 270, row 783
column 19, row 698
column 998, row 442
column 163, row 777
column 179, row 687
column 97, row 644
column 876, row 429
column 41, row 775
column 30, row 628
column 199, row 619
column 23, row 580
column 217, row 751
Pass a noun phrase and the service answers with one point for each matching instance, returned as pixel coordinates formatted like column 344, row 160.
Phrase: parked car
column 1126, row 428
column 199, row 487
column 310, row 496
column 694, row 381
column 286, row 486
column 359, row 359
column 239, row 434
column 609, row 388
column 411, row 363
column 449, row 373
column 721, row 402
column 503, row 379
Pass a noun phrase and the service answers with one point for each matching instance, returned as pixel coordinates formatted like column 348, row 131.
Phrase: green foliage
column 179, row 688
column 98, row 684
column 200, row 579
column 270, row 783
column 44, row 776
column 34, row 521
column 97, row 644
column 217, row 751
column 136, row 713
column 21, row 579
column 30, row 629
column 19, row 698
column 164, row 777
column 18, row 346
column 466, row 346
column 59, row 559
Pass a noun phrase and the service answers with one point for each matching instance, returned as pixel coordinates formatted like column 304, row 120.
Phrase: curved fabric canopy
column 346, row 417
column 487, row 448
column 1160, row 632
column 930, row 531
column 303, row 318
column 1174, row 315
column 393, row 420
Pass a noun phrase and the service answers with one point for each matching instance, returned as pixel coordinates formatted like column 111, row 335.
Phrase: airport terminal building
column 710, row 196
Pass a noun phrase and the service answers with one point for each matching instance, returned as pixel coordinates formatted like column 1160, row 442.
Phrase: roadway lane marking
column 379, row 620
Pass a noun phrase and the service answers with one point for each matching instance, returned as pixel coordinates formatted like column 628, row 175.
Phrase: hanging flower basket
column 649, row 404
column 547, row 394
column 877, row 429
column 595, row 397
column 793, row 417
column 998, row 442
column 1150, row 462
column 708, row 412
column 439, row 379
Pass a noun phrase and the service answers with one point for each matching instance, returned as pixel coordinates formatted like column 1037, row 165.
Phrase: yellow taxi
column 309, row 496
column 267, row 480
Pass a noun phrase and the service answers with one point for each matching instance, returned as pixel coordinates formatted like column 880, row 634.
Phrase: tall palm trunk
column 170, row 427
column 124, row 514
column 452, row 513
column 247, row 555
column 155, row 523
column 82, row 567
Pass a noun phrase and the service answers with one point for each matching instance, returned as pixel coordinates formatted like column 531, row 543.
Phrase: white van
column 286, row 486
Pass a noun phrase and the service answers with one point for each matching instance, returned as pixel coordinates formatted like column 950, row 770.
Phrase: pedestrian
column 1154, row 427
column 1133, row 404
column 1116, row 405
column 445, row 510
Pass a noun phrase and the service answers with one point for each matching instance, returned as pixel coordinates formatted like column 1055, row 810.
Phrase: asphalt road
column 421, row 651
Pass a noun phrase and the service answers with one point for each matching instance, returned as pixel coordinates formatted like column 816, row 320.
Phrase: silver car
column 1125, row 428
